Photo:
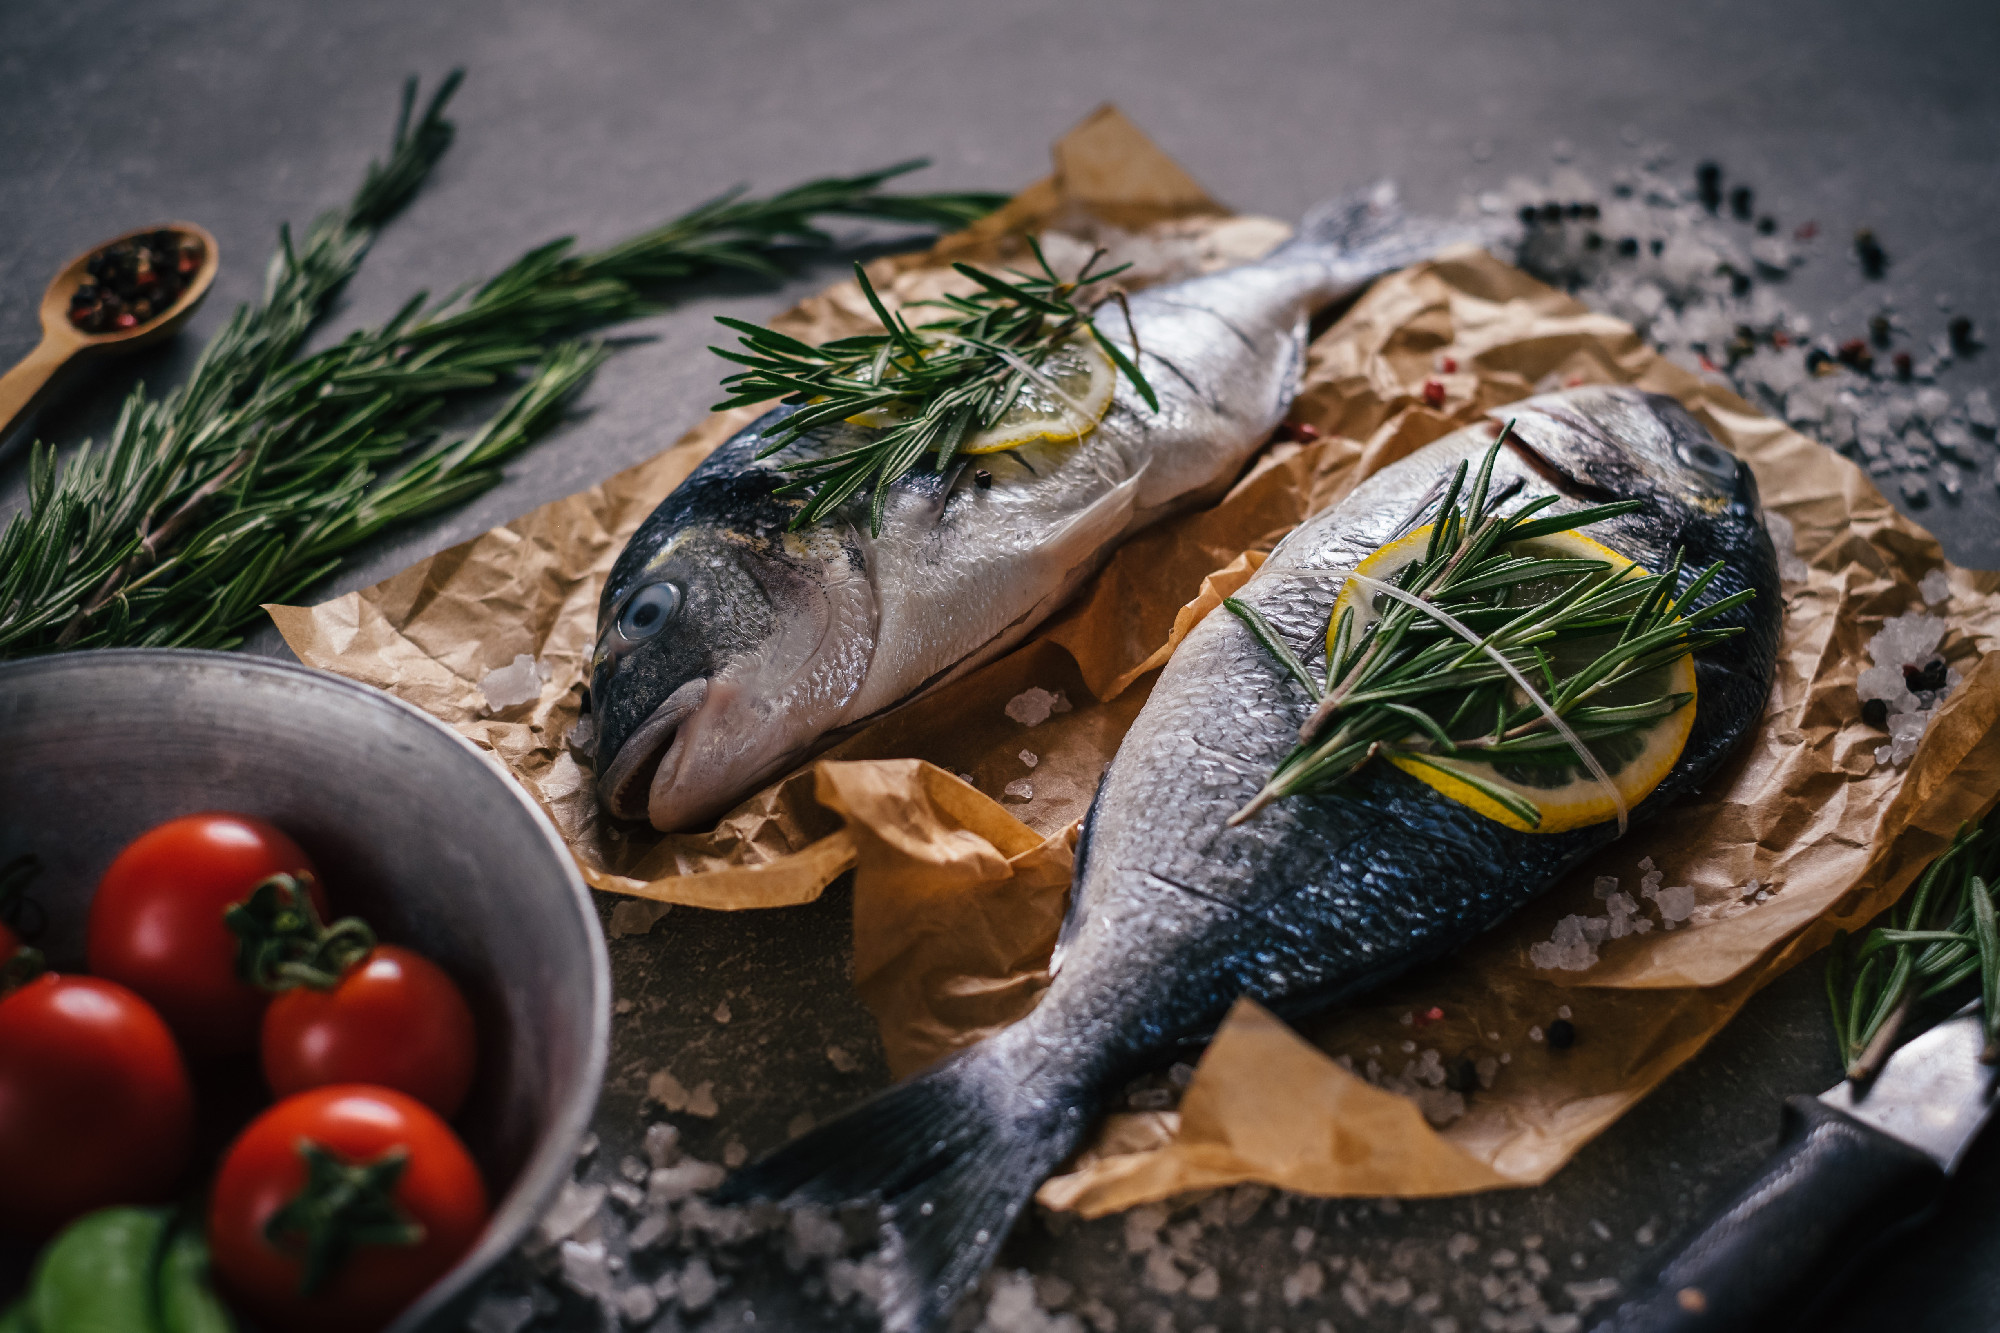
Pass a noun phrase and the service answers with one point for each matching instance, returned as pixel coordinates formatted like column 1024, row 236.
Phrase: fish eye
column 1705, row 457
column 648, row 610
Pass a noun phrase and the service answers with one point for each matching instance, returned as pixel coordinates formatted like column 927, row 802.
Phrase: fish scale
column 1175, row 914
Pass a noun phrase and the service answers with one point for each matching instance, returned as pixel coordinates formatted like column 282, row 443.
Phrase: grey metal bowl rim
column 537, row 1187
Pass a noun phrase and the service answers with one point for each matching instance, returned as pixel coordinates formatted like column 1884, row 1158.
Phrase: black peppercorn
column 1593, row 241
column 1530, row 215
column 1961, row 334
column 1628, row 246
column 1874, row 259
column 1740, row 284
column 1741, row 202
column 1767, row 225
column 1562, row 1035
column 1463, row 1076
column 1708, row 183
column 1875, row 713
column 983, row 479
column 1656, row 245
column 1932, row 676
column 1552, row 212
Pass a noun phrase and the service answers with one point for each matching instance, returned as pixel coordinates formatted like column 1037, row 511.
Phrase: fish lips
column 625, row 784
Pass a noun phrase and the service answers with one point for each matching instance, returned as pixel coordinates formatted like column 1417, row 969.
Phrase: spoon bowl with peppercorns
column 129, row 292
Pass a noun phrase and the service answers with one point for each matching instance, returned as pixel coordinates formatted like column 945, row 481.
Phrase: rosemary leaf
column 256, row 477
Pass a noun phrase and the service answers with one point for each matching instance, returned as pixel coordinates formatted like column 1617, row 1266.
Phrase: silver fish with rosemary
column 741, row 628
column 1196, row 884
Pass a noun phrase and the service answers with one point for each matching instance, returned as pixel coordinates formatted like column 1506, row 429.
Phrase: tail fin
column 951, row 1156
column 1366, row 233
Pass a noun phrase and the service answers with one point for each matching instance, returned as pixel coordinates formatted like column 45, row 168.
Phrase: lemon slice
column 1079, row 383
column 1565, row 797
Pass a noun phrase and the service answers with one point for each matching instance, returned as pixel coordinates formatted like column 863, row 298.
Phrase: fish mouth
column 626, row 783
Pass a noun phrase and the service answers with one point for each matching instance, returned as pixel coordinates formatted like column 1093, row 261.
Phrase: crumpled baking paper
column 957, row 815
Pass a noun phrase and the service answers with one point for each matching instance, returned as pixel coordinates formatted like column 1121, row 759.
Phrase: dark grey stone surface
column 598, row 119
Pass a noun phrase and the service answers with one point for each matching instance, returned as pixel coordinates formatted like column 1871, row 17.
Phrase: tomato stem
column 344, row 1205
column 23, row 967
column 282, row 944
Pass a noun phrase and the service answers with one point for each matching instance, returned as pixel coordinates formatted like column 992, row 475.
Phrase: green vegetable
column 188, row 1304
column 97, row 1275
column 14, row 1319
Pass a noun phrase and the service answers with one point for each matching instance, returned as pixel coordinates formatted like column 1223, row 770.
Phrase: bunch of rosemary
column 1937, row 939
column 1457, row 665
column 941, row 382
column 251, row 481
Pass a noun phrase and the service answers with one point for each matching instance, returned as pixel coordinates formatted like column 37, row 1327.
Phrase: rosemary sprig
column 256, row 477
column 942, row 381
column 1938, row 939
column 1445, row 671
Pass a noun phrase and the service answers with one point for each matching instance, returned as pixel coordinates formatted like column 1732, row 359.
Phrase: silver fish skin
column 1174, row 914
column 730, row 648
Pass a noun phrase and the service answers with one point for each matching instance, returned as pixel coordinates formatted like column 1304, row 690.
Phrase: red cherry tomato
column 349, row 1128
column 95, row 1106
column 395, row 1019
column 156, row 923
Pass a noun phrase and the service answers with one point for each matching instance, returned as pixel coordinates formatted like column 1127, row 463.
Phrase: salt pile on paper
column 1908, row 680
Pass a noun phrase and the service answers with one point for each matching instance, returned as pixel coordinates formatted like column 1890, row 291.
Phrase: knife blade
column 1852, row 1167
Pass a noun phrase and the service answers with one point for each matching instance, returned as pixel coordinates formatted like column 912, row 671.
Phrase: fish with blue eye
column 731, row 648
column 1176, row 912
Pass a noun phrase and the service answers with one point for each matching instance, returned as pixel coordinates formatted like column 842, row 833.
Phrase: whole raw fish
column 730, row 647
column 1175, row 913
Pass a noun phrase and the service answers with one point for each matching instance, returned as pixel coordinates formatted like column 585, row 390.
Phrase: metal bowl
column 410, row 826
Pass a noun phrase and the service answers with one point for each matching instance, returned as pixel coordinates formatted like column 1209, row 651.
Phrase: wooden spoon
column 63, row 341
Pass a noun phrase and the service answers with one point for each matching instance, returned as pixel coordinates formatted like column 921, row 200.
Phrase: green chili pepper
column 188, row 1304
column 97, row 1275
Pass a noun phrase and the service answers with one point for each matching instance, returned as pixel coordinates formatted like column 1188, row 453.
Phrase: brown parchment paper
column 959, row 889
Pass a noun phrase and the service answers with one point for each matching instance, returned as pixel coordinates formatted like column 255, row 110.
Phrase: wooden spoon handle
column 20, row 386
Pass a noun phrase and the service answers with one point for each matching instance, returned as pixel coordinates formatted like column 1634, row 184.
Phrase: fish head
column 722, row 655
column 1612, row 442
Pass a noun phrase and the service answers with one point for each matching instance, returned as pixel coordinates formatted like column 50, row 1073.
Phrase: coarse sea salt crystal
column 1676, row 903
column 1935, row 587
column 1020, row 790
column 1034, row 706
column 1030, row 758
column 1791, row 569
column 516, row 683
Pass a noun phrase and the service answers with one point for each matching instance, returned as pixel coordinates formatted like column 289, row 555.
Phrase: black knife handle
column 1832, row 1189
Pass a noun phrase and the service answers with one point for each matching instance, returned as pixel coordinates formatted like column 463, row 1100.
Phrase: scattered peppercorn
column 1742, row 203
column 1530, row 215
column 1818, row 362
column 1708, row 183
column 1552, row 211
column 1854, row 353
column 1875, row 712
column 1433, row 394
column 1767, row 225
column 1904, row 366
column 1628, row 246
column 1656, row 245
column 1592, row 212
column 983, row 479
column 132, row 281
column 1963, row 338
column 1593, row 241
column 1740, row 284
column 1562, row 1035
column 1878, row 330
column 1874, row 259
column 1929, row 677
column 1463, row 1076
